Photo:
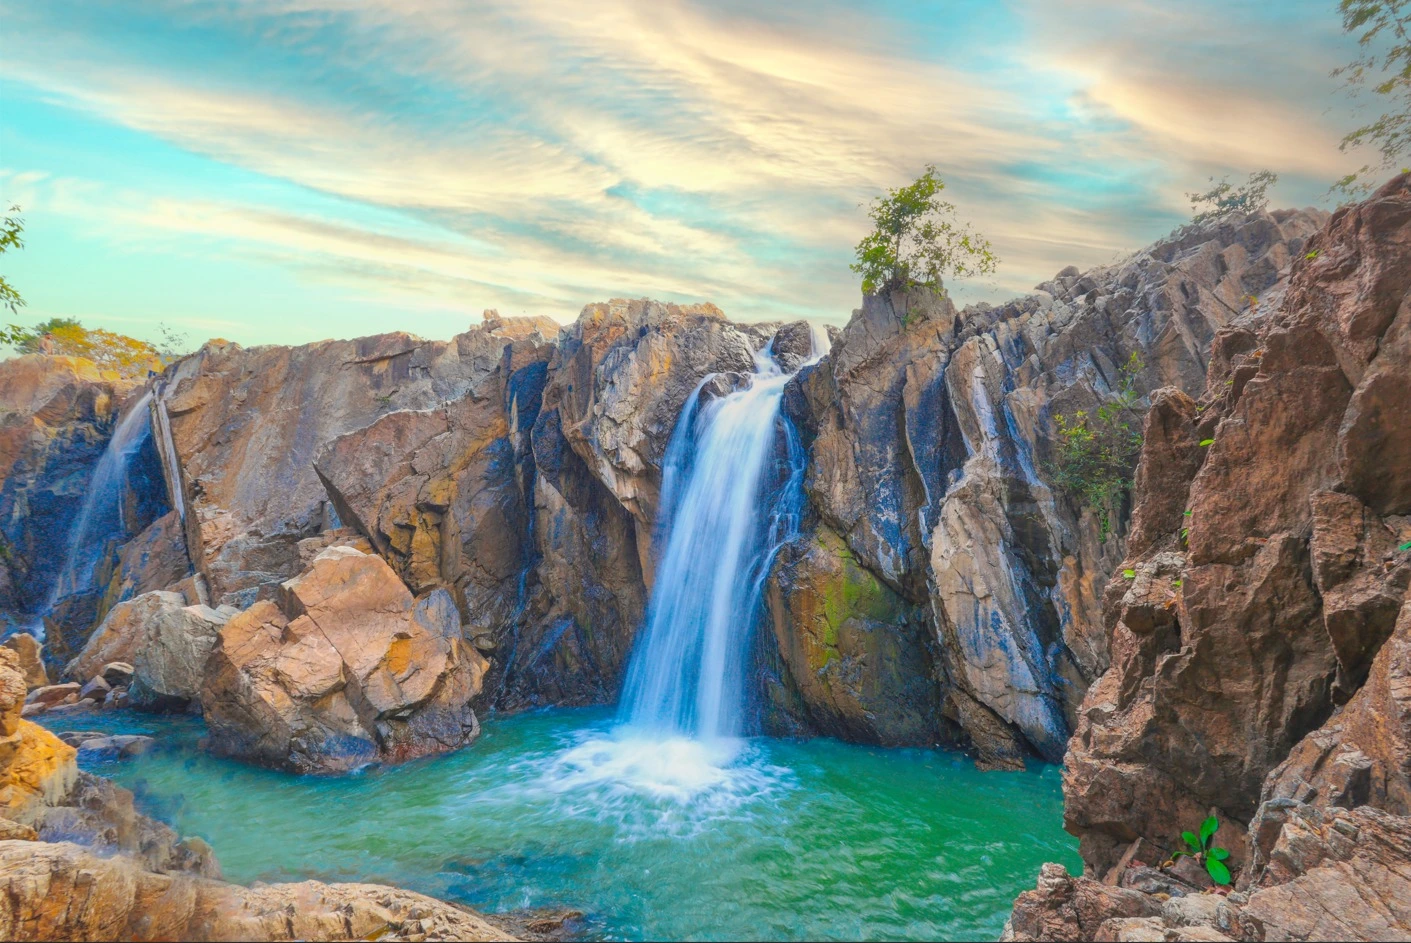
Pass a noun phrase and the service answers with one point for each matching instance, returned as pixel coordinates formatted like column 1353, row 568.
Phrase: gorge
column 850, row 624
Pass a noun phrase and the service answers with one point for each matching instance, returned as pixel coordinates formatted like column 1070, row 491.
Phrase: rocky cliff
column 930, row 434
column 1260, row 627
column 941, row 590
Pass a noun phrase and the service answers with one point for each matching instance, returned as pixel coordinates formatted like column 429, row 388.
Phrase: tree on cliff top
column 916, row 240
column 1383, row 31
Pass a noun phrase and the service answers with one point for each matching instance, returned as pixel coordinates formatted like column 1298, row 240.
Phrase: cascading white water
column 687, row 675
column 101, row 511
column 683, row 705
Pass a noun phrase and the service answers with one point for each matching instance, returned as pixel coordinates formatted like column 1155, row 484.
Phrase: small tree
column 1225, row 199
column 1383, row 31
column 916, row 240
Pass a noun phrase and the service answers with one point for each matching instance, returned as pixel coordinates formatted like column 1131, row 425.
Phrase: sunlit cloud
column 542, row 154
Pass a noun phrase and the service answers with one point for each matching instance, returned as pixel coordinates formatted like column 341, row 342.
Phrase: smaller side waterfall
column 166, row 448
column 101, row 512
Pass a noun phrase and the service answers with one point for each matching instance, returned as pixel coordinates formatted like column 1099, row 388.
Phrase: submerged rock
column 343, row 668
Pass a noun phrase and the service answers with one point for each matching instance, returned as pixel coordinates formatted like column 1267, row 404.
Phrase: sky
column 282, row 171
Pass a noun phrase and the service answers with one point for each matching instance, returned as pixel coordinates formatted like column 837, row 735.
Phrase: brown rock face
column 929, row 432
column 344, row 668
column 30, row 653
column 1260, row 658
column 440, row 493
column 1223, row 681
column 35, row 766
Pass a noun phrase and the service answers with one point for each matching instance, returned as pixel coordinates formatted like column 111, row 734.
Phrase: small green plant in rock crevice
column 1096, row 454
column 1203, row 850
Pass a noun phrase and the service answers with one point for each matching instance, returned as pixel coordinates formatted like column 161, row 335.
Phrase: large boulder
column 343, row 668
column 36, row 767
column 166, row 641
column 857, row 657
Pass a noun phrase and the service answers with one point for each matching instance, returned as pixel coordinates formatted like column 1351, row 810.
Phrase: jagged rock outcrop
column 929, row 431
column 247, row 424
column 1260, row 649
column 36, row 767
column 343, row 668
column 442, row 493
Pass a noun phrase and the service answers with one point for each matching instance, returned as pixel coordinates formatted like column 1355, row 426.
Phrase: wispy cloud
column 545, row 153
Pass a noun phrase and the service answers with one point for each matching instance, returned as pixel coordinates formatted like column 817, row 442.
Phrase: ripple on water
column 674, row 839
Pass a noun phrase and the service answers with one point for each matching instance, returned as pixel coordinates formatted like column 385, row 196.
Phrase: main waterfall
column 686, row 676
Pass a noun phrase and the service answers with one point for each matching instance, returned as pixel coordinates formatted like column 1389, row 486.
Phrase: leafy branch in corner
column 11, row 237
column 1383, row 31
column 1095, row 454
column 916, row 240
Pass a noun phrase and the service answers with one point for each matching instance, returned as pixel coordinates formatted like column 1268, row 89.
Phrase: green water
column 765, row 839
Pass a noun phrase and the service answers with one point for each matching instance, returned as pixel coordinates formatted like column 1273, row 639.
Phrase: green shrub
column 1096, row 454
column 1202, row 849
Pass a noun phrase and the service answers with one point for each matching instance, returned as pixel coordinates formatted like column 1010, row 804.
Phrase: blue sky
column 288, row 170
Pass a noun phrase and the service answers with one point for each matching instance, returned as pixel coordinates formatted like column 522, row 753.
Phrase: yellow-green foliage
column 126, row 355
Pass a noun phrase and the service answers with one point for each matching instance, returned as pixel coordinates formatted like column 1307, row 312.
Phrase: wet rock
column 855, row 655
column 114, row 747
column 52, row 694
column 342, row 669
column 59, row 413
column 31, row 656
column 97, row 689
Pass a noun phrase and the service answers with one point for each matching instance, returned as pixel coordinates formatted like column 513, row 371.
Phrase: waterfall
column 101, row 513
column 686, row 677
column 166, row 449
